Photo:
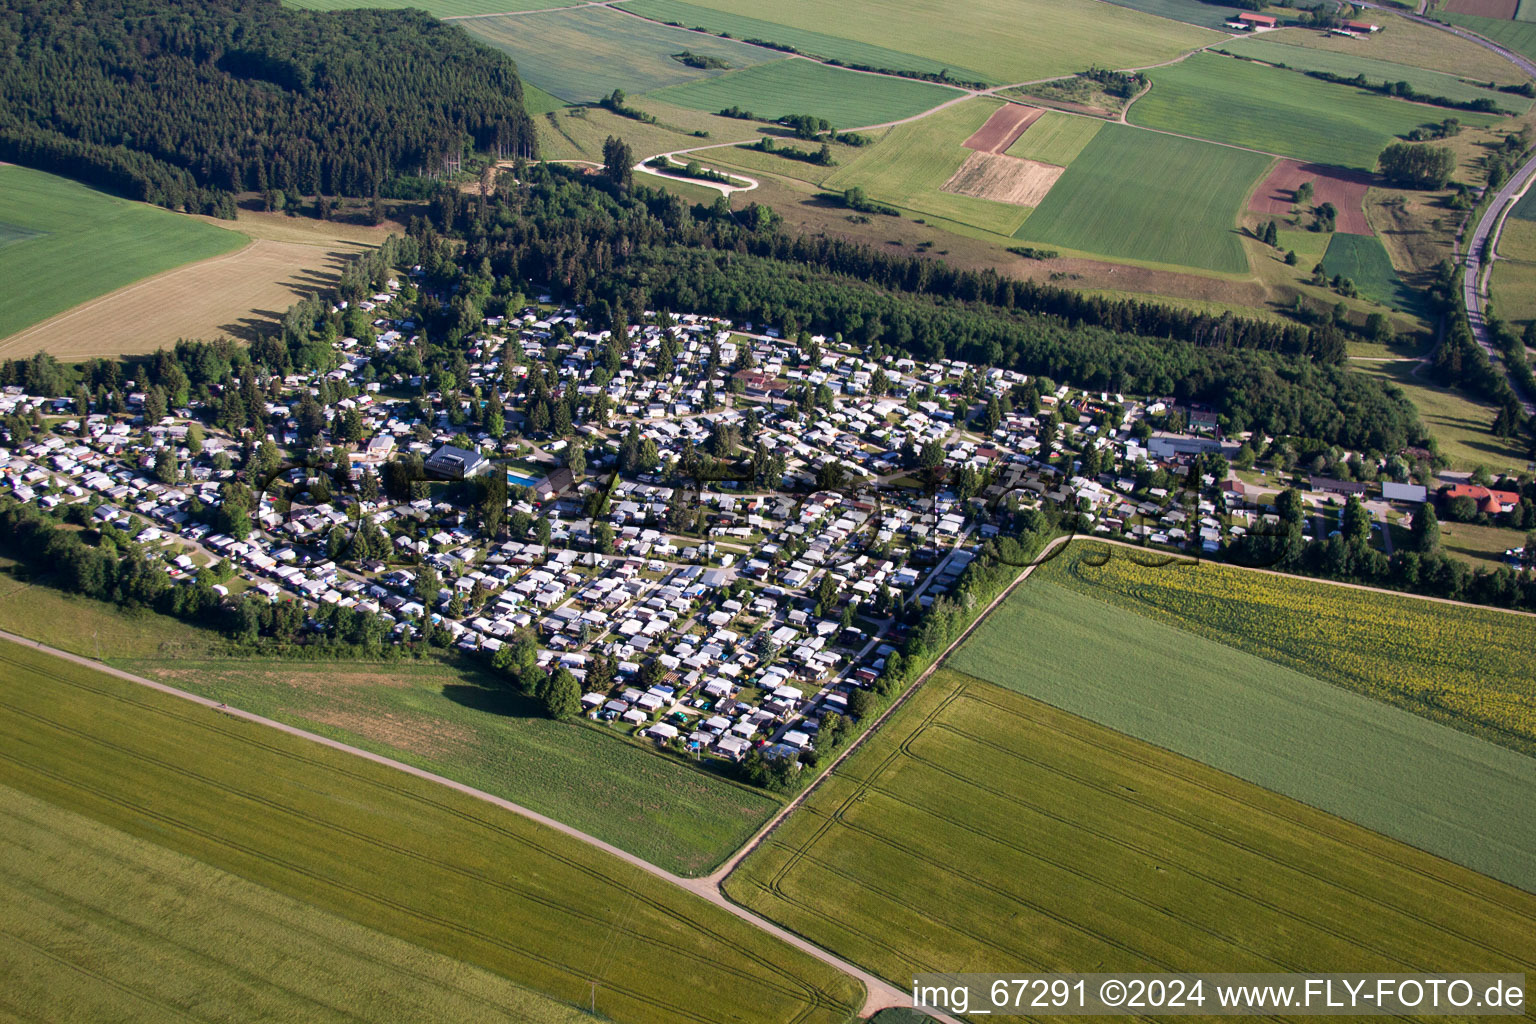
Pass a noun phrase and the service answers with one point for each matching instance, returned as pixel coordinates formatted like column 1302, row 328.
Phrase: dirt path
column 879, row 994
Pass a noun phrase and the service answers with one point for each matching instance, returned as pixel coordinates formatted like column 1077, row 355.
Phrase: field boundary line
column 878, row 994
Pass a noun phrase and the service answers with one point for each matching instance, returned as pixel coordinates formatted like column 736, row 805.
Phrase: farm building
column 1250, row 22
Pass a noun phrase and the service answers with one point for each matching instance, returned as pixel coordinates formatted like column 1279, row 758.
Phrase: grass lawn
column 981, row 827
column 392, row 853
column 907, row 167
column 847, row 99
column 1407, row 42
column 1277, row 111
column 1206, row 661
column 1431, row 83
column 1484, row 545
column 1363, row 260
column 582, row 55
column 449, row 718
column 1460, row 424
column 1056, row 138
column 1148, row 196
column 65, row 243
column 997, row 41
column 88, row 906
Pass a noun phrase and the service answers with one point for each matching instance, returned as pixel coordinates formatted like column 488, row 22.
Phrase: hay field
column 1226, row 667
column 979, row 827
column 996, row 41
column 437, row 8
column 395, row 854
column 1278, row 111
column 87, row 907
column 1056, row 138
column 236, row 295
column 66, row 243
column 582, row 55
column 1003, row 179
column 1141, row 195
column 909, row 166
column 847, row 99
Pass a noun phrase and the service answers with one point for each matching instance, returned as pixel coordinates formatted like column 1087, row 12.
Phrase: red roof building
column 1258, row 20
column 1488, row 500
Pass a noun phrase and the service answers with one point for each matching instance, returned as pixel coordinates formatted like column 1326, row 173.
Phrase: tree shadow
column 494, row 698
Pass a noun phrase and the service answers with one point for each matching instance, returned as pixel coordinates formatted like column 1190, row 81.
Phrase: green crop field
column 536, row 101
column 907, row 166
column 87, row 906
column 979, row 827
column 387, row 852
column 437, row 8
column 1431, row 83
column 1364, row 260
column 65, row 243
column 446, row 717
column 1526, row 11
column 1513, row 288
column 1292, row 724
column 1056, row 138
column 847, row 99
column 997, row 41
column 1277, row 111
column 1519, row 36
column 582, row 55
column 1525, row 208
column 1148, row 196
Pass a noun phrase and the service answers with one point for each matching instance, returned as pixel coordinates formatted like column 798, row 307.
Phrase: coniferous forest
column 184, row 102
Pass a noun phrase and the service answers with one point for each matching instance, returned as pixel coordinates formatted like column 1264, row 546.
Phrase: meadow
column 392, row 853
column 1512, row 287
column 1255, row 676
column 87, row 906
column 1278, row 111
column 1431, row 83
column 1363, row 260
column 578, row 133
column 1461, row 425
column 996, row 41
column 1193, row 12
column 69, row 243
column 907, row 167
column 582, row 55
column 1143, row 195
column 1407, row 42
column 1056, row 138
column 847, row 99
column 448, row 718
column 981, row 827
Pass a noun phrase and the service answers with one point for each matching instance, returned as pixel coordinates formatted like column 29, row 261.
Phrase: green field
column 1513, row 289
column 438, row 8
column 1056, row 138
column 1229, row 692
column 1525, row 208
column 1526, row 11
column 1459, row 424
column 448, row 718
column 1147, row 196
column 582, row 55
column 979, row 827
column 87, row 906
column 907, row 166
column 388, row 852
column 1409, row 42
column 847, row 99
column 997, row 41
column 536, row 101
column 1194, row 12
column 66, row 243
column 1519, row 36
column 1363, row 260
column 1431, row 83
column 1277, row 111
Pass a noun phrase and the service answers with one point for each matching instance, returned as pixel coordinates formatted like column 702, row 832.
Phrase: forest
column 185, row 102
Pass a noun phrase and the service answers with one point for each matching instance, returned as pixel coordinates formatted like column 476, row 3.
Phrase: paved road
column 1475, row 281
column 879, row 994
